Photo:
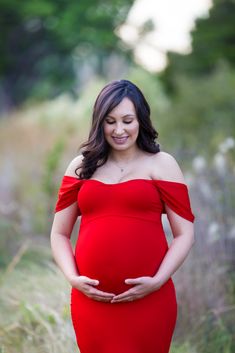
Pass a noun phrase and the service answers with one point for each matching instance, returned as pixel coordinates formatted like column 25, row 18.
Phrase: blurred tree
column 201, row 84
column 201, row 113
column 214, row 38
column 213, row 41
column 43, row 42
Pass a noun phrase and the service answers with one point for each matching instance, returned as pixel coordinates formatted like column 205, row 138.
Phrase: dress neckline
column 127, row 181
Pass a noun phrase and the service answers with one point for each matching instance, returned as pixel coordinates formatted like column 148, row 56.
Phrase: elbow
column 56, row 235
column 189, row 238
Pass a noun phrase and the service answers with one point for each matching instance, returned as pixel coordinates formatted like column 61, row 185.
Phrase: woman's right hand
column 85, row 285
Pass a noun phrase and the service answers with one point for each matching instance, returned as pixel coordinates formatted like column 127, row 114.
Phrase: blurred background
column 55, row 58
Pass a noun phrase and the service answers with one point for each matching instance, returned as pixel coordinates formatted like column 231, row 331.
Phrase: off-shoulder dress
column 121, row 236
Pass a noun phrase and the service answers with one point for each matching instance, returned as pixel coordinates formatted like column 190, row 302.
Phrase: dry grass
column 35, row 310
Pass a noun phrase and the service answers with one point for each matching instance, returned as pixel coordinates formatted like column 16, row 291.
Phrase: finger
column 100, row 299
column 102, row 294
column 105, row 294
column 132, row 281
column 126, row 294
column 92, row 282
column 126, row 299
column 95, row 296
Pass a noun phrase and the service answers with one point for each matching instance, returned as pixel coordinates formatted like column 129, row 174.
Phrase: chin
column 121, row 147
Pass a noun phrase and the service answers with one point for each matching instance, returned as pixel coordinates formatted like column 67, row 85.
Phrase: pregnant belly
column 112, row 249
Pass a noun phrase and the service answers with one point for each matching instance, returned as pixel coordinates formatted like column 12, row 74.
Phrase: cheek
column 134, row 129
column 107, row 129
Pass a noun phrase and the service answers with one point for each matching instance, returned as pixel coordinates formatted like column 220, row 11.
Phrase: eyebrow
column 124, row 116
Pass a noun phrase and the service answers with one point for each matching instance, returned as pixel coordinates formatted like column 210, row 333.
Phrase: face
column 121, row 126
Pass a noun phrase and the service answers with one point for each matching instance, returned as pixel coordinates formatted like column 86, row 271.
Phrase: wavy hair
column 96, row 149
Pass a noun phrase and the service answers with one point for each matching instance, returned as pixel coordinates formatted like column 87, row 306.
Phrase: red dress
column 121, row 236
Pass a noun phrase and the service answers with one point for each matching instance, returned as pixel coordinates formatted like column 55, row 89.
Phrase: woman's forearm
column 175, row 256
column 63, row 255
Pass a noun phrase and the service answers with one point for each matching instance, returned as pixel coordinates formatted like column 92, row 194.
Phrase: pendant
column 122, row 169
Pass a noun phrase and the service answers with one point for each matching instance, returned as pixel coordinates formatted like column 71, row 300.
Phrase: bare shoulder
column 166, row 167
column 74, row 164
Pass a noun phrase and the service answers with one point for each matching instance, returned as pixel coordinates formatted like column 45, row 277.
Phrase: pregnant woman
column 123, row 298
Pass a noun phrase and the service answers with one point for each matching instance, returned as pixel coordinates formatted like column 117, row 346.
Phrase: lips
column 120, row 139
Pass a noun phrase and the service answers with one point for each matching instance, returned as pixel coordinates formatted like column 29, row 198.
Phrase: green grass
column 35, row 310
column 185, row 347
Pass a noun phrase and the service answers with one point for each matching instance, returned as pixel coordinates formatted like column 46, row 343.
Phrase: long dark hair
column 96, row 149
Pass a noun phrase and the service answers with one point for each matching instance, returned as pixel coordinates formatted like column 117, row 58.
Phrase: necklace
column 123, row 168
column 116, row 165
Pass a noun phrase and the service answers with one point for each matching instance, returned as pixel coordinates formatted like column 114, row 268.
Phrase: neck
column 124, row 156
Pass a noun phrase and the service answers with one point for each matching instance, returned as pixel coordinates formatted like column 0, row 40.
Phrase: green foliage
column 201, row 113
column 48, row 187
column 216, row 333
column 51, row 164
column 9, row 240
column 33, row 300
column 185, row 347
column 42, row 40
column 213, row 40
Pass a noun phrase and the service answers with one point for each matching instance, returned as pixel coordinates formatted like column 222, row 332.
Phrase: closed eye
column 113, row 122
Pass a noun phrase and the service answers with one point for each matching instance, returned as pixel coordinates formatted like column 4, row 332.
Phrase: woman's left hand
column 143, row 286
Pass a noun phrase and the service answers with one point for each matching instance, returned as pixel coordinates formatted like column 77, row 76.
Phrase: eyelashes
column 113, row 122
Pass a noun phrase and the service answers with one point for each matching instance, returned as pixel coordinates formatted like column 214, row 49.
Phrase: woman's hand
column 143, row 286
column 85, row 285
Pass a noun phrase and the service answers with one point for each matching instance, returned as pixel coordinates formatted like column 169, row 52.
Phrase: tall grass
column 35, row 311
column 34, row 296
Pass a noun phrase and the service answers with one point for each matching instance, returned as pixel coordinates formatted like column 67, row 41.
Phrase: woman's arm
column 182, row 229
column 62, row 251
column 61, row 230
column 183, row 232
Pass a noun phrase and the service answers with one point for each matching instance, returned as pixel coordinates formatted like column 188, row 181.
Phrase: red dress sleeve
column 176, row 196
column 68, row 192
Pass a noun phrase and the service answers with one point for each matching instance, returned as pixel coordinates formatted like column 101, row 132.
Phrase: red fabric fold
column 176, row 196
column 68, row 192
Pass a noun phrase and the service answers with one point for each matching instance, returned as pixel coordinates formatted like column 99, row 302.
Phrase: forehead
column 123, row 108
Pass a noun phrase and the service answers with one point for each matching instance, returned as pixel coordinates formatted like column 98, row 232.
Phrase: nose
column 118, row 129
